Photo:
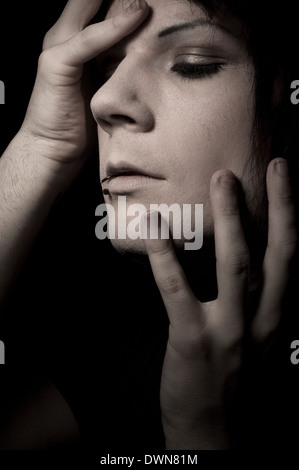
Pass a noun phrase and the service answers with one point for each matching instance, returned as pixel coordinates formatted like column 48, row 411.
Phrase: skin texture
column 53, row 143
column 180, row 129
column 181, row 119
column 184, row 131
column 206, row 340
column 41, row 161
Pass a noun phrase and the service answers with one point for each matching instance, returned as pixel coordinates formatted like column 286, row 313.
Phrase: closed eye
column 196, row 71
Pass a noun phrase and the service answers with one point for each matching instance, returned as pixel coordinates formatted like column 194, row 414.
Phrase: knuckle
column 46, row 43
column 229, row 210
column 50, row 64
column 55, row 35
column 119, row 23
column 237, row 263
column 285, row 248
column 284, row 200
column 192, row 341
column 231, row 342
column 85, row 36
column 44, row 59
column 48, row 38
column 172, row 284
column 228, row 343
column 159, row 247
column 47, row 61
column 234, row 343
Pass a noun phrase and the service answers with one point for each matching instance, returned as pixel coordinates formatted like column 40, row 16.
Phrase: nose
column 123, row 101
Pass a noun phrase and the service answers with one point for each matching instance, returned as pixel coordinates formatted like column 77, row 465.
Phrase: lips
column 113, row 172
column 125, row 178
column 125, row 173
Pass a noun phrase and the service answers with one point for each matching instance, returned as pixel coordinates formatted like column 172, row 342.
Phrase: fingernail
column 135, row 5
column 282, row 168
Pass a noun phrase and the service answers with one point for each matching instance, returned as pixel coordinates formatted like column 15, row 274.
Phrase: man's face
column 177, row 105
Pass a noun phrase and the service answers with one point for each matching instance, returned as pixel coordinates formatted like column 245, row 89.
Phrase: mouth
column 117, row 175
column 124, row 180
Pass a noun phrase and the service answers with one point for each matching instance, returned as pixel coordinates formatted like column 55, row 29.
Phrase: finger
column 232, row 256
column 281, row 247
column 182, row 306
column 77, row 14
column 98, row 37
column 74, row 18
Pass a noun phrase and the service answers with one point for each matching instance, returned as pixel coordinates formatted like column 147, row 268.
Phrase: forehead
column 166, row 13
column 171, row 8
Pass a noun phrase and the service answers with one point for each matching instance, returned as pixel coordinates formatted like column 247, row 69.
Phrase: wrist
column 38, row 157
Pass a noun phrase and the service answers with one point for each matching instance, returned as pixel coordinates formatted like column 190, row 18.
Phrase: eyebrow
column 188, row 25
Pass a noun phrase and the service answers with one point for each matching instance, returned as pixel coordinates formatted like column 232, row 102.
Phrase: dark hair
column 272, row 35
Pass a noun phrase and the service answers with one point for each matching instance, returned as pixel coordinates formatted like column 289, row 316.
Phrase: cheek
column 208, row 133
column 103, row 142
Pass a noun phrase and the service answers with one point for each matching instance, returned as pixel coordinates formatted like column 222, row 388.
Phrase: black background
column 59, row 323
column 66, row 321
